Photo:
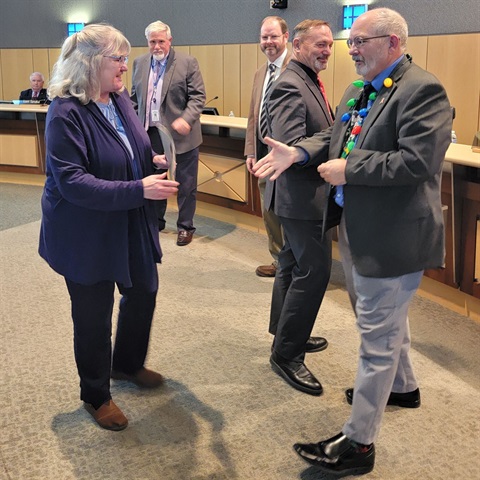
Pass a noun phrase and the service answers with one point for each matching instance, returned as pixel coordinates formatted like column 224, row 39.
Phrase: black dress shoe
column 338, row 456
column 316, row 344
column 298, row 376
column 405, row 400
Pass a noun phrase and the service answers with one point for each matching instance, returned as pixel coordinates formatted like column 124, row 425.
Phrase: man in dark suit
column 390, row 168
column 36, row 92
column 168, row 89
column 297, row 108
column 273, row 43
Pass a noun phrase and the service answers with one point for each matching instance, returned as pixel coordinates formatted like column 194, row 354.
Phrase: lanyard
column 161, row 71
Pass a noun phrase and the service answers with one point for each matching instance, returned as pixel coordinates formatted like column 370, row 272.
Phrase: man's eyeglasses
column 360, row 41
column 121, row 59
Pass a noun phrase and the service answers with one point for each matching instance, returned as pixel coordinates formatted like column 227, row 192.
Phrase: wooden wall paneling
column 343, row 72
column 135, row 52
column 1, row 77
column 248, row 67
column 231, row 86
column 478, row 122
column 210, row 60
column 454, row 60
column 41, row 64
column 17, row 65
column 417, row 48
column 261, row 58
column 442, row 55
column 183, row 48
column 53, row 55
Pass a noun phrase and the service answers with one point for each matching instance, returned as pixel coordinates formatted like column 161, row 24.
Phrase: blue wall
column 41, row 23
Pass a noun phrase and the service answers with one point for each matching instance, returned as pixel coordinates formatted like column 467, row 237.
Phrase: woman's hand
column 157, row 187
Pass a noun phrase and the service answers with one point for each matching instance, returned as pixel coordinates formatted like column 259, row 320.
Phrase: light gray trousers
column 381, row 307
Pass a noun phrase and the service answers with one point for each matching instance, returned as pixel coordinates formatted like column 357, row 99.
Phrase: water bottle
column 231, row 114
column 454, row 137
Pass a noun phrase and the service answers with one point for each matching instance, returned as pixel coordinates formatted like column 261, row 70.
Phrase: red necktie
column 324, row 94
column 35, row 95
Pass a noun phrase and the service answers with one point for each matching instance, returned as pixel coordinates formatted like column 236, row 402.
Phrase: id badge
column 155, row 116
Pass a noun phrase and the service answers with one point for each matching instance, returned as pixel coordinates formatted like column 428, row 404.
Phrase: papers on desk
column 169, row 149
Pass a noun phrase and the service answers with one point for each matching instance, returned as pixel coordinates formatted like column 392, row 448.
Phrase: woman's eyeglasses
column 121, row 59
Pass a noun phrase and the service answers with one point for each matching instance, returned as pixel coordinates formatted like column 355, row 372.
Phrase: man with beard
column 168, row 90
column 391, row 154
column 273, row 43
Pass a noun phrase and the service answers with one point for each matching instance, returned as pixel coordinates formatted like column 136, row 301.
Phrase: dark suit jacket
column 183, row 95
column 27, row 94
column 89, row 194
column 297, row 110
column 255, row 103
column 393, row 210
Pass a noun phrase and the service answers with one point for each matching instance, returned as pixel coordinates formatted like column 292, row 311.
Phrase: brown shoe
column 108, row 416
column 144, row 378
column 266, row 270
column 184, row 237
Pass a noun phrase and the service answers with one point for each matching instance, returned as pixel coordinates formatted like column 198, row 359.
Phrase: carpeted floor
column 223, row 414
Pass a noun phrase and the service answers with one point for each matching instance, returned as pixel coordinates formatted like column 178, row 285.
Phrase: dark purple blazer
column 90, row 190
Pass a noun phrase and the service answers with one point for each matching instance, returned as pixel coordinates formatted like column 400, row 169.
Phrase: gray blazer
column 297, row 110
column 183, row 95
column 393, row 210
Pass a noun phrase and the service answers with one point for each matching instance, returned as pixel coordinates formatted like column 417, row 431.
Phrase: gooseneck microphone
column 211, row 100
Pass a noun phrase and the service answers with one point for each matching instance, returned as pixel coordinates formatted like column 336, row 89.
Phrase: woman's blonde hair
column 77, row 71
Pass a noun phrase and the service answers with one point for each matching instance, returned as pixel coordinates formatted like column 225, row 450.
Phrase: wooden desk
column 223, row 178
column 462, row 185
column 22, row 145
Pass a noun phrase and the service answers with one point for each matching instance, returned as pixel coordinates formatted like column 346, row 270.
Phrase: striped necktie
column 264, row 114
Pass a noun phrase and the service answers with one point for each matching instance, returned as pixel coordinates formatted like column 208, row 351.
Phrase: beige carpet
column 223, row 413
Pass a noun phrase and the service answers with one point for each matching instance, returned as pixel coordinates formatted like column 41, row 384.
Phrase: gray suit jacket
column 183, row 95
column 393, row 210
column 297, row 110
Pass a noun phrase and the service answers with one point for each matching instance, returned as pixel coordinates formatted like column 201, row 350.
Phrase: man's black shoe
column 338, row 456
column 405, row 400
column 297, row 375
column 316, row 344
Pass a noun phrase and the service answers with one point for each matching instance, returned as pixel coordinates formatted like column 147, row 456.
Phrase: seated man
column 36, row 92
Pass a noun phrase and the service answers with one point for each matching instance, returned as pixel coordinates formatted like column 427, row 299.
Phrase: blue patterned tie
column 361, row 104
